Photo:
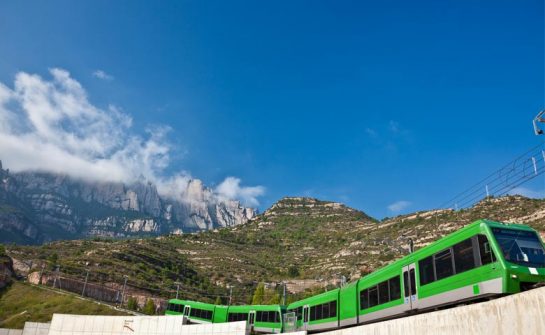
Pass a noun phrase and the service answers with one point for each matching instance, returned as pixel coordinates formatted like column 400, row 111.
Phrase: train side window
column 463, row 256
column 312, row 313
column 319, row 312
column 427, row 274
column 266, row 316
column 364, row 299
column 383, row 293
column 333, row 309
column 325, row 311
column 373, row 296
column 395, row 288
column 486, row 251
column 443, row 264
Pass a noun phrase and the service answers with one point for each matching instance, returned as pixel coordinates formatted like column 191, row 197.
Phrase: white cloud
column 230, row 188
column 529, row 193
column 371, row 132
column 399, row 206
column 50, row 125
column 102, row 75
column 394, row 126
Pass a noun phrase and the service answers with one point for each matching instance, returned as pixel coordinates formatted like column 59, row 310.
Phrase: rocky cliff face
column 36, row 207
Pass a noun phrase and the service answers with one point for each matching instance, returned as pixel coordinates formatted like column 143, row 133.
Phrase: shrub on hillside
column 132, row 304
column 149, row 307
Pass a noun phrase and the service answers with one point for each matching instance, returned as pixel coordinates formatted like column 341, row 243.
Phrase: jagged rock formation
column 36, row 207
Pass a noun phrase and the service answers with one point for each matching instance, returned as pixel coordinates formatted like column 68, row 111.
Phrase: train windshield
column 520, row 247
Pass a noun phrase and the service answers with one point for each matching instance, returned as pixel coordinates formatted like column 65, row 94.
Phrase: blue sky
column 367, row 103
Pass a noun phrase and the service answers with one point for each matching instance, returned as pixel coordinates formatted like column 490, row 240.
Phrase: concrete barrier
column 65, row 324
column 522, row 313
column 8, row 331
column 227, row 328
column 36, row 328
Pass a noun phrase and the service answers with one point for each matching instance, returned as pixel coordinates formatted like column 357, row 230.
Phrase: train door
column 251, row 319
column 409, row 286
column 187, row 310
column 306, row 313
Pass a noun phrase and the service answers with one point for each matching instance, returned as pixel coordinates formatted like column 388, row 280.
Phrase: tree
column 2, row 250
column 132, row 304
column 259, row 294
column 274, row 298
column 53, row 260
column 293, row 271
column 218, row 301
column 149, row 307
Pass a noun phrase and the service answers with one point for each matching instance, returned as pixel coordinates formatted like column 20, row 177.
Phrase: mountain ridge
column 37, row 207
column 302, row 242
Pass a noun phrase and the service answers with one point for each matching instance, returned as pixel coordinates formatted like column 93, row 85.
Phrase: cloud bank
column 50, row 125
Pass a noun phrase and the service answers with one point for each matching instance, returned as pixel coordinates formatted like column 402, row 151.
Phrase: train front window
column 520, row 247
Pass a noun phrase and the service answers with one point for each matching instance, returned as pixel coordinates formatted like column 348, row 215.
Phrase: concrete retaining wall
column 65, row 324
column 228, row 328
column 8, row 331
column 36, row 328
column 522, row 313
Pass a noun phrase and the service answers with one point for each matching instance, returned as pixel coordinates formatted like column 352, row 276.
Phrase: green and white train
column 262, row 318
column 482, row 260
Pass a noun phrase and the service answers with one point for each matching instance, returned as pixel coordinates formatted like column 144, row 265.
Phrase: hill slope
column 21, row 302
column 299, row 240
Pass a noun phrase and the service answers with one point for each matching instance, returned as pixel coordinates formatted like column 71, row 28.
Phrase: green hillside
column 302, row 241
column 21, row 302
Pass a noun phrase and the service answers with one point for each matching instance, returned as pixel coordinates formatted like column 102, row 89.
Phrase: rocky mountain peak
column 313, row 208
column 37, row 206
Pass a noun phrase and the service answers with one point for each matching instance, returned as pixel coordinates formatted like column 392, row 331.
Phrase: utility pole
column 123, row 291
column 177, row 289
column 540, row 118
column 284, row 294
column 41, row 275
column 230, row 295
column 86, row 277
column 57, row 277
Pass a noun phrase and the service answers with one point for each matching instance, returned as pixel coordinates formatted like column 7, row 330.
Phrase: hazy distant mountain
column 36, row 207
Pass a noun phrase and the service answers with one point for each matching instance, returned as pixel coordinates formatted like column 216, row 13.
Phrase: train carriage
column 320, row 312
column 175, row 307
column 482, row 260
column 196, row 312
column 262, row 318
